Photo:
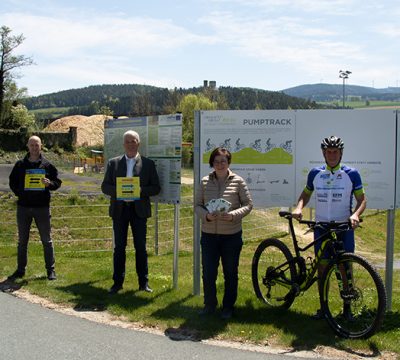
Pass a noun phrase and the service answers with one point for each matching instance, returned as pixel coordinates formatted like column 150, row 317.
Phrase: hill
column 136, row 100
column 332, row 92
column 86, row 96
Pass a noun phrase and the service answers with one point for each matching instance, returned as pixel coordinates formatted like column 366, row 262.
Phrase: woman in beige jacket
column 221, row 232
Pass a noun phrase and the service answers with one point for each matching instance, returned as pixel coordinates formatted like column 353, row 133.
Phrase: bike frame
column 307, row 275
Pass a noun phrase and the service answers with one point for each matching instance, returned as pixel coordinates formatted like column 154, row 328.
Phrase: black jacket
column 149, row 184
column 17, row 182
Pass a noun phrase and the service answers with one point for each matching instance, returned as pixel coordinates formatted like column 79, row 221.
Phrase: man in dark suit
column 130, row 212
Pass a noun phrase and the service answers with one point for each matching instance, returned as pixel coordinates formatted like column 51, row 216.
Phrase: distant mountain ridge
column 86, row 95
column 136, row 100
column 112, row 94
column 331, row 92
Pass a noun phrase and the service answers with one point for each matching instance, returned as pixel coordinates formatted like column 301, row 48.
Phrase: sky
column 264, row 44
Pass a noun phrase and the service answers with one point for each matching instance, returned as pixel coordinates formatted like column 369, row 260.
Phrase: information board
column 261, row 142
column 160, row 140
column 273, row 150
column 369, row 138
column 398, row 160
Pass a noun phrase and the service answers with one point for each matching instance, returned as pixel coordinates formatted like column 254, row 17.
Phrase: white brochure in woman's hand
column 218, row 205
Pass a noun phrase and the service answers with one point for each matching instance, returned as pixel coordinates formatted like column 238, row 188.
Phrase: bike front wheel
column 272, row 272
column 353, row 297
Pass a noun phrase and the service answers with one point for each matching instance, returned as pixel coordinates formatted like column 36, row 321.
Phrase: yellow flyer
column 128, row 188
column 33, row 179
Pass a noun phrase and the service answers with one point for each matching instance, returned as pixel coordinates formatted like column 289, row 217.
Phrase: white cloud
column 283, row 40
column 287, row 40
column 87, row 71
column 389, row 30
column 55, row 37
column 332, row 7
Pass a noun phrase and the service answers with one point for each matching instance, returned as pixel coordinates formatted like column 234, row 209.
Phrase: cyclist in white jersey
column 334, row 186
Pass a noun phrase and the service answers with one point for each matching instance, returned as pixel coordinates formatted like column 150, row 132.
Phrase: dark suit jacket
column 149, row 184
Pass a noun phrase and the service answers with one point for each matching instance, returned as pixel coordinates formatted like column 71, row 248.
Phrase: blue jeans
column 139, row 230
column 227, row 248
column 25, row 216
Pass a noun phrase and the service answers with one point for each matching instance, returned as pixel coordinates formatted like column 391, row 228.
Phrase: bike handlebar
column 332, row 225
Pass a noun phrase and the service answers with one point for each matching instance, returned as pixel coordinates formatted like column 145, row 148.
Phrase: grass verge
column 84, row 272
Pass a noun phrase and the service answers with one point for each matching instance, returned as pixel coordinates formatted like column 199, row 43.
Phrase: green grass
column 84, row 271
column 361, row 104
column 53, row 112
column 376, row 103
column 187, row 172
column 52, row 109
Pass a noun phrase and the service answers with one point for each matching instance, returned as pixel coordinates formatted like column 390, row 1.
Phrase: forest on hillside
column 136, row 100
column 332, row 92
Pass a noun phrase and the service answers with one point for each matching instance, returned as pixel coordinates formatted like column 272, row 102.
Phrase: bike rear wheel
column 353, row 297
column 268, row 277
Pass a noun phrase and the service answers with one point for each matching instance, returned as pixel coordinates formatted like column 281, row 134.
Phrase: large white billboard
column 273, row 150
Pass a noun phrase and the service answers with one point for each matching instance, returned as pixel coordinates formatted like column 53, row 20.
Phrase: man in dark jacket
column 132, row 211
column 31, row 180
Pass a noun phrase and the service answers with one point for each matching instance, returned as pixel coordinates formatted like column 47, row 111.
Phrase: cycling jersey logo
column 325, row 176
column 337, row 195
column 323, row 195
column 339, row 176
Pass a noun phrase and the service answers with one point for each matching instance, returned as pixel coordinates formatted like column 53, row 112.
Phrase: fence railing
column 88, row 227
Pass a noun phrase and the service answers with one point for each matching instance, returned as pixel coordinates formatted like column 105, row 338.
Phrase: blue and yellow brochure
column 33, row 179
column 128, row 188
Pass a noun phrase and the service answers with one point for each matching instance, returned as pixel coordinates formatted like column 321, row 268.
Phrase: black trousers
column 224, row 248
column 139, row 230
column 41, row 215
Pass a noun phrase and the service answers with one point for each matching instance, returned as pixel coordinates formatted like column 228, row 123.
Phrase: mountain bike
column 352, row 293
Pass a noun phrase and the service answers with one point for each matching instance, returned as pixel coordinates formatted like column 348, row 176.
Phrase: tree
column 106, row 111
column 13, row 93
column 20, row 117
column 187, row 106
column 9, row 62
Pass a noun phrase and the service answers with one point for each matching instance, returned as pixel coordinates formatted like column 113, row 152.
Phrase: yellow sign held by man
column 128, row 188
column 33, row 179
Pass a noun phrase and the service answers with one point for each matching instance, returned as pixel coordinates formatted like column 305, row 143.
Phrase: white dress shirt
column 130, row 165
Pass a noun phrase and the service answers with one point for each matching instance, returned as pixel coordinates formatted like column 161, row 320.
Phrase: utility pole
column 344, row 74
